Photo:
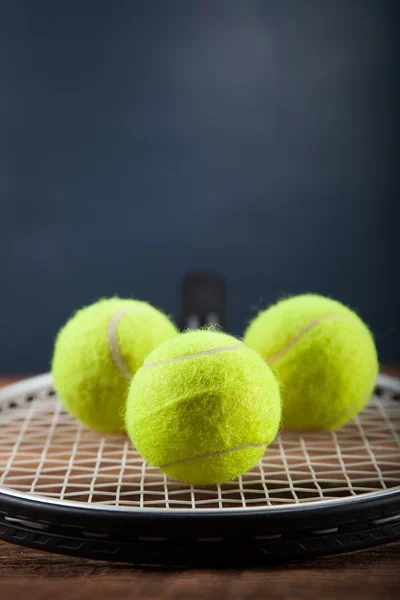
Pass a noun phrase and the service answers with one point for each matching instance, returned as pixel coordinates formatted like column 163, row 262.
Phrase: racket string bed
column 45, row 451
column 66, row 488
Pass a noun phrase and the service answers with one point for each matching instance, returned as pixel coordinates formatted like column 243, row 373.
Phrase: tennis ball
column 97, row 352
column 203, row 407
column 323, row 355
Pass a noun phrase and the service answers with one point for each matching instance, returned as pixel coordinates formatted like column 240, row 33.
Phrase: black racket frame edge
column 177, row 538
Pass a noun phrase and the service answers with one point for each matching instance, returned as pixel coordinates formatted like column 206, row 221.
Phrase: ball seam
column 211, row 454
column 272, row 358
column 195, row 355
column 113, row 344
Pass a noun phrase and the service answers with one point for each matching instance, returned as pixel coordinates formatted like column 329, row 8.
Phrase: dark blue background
column 140, row 140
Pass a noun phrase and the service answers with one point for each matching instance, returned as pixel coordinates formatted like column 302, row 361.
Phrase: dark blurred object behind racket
column 203, row 300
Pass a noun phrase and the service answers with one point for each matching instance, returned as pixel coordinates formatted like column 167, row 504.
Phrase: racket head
column 69, row 489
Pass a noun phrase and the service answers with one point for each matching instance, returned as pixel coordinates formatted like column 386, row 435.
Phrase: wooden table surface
column 373, row 573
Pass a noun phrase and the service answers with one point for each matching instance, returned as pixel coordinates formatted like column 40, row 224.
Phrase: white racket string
column 45, row 451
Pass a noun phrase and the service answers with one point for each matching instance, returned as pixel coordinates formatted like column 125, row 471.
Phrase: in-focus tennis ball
column 97, row 352
column 323, row 355
column 203, row 407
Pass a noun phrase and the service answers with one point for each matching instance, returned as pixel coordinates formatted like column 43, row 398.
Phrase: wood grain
column 369, row 574
column 373, row 573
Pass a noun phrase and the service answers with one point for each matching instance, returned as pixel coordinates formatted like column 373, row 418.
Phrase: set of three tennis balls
column 202, row 405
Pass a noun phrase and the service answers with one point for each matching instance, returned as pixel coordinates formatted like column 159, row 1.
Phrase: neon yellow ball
column 323, row 355
column 203, row 408
column 97, row 352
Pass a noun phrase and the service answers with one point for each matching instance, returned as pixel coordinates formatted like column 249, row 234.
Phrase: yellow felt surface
column 323, row 355
column 181, row 411
column 86, row 379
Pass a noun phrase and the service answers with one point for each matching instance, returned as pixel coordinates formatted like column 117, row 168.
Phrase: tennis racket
column 203, row 300
column 67, row 489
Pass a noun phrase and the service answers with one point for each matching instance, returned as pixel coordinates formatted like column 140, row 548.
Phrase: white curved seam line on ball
column 280, row 353
column 114, row 345
column 211, row 454
column 196, row 355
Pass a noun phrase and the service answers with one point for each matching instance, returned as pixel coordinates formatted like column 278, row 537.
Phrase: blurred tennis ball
column 323, row 355
column 97, row 352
